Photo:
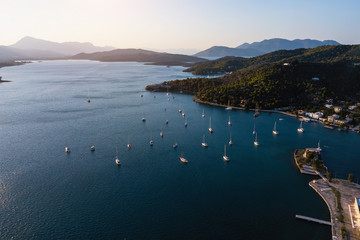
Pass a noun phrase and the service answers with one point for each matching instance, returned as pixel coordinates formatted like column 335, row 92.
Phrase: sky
column 178, row 24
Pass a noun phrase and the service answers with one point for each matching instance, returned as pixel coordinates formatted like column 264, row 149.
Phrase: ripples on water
column 47, row 194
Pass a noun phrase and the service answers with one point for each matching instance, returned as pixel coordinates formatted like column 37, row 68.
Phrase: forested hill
column 323, row 54
column 298, row 78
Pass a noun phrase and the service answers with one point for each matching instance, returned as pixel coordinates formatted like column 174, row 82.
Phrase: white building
column 337, row 109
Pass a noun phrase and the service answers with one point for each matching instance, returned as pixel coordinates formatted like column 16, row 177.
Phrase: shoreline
column 242, row 108
column 340, row 216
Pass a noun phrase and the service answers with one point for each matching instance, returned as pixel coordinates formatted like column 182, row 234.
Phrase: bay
column 48, row 194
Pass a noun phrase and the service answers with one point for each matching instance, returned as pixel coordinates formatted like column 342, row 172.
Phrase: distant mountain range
column 139, row 55
column 265, row 46
column 31, row 48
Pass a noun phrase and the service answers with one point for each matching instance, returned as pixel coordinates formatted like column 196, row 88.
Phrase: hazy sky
column 174, row 24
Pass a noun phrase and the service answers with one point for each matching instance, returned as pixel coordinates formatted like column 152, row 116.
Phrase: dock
column 314, row 220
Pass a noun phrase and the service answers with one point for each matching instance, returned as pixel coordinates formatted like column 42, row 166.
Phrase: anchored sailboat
column 300, row 129
column 229, row 122
column 319, row 148
column 175, row 144
column 203, row 114
column 228, row 106
column 225, row 158
column 128, row 144
column 256, row 143
column 204, row 144
column 210, row 129
column 230, row 142
column 88, row 96
column 117, row 161
column 161, row 133
column 182, row 159
column 274, row 130
column 67, row 149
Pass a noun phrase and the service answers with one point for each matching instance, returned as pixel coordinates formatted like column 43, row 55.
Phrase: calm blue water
column 48, row 194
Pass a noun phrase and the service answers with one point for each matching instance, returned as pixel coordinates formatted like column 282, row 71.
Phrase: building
column 333, row 117
column 352, row 107
column 328, row 105
column 337, row 109
column 357, row 207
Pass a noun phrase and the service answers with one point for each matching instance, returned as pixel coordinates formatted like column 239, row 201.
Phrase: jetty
column 314, row 220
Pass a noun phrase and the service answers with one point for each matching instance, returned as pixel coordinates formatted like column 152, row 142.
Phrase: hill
column 323, row 54
column 270, row 45
column 265, row 46
column 297, row 78
column 139, row 55
column 220, row 51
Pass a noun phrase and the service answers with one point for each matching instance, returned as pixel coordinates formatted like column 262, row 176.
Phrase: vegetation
column 306, row 81
column 351, row 177
column 312, row 159
column 343, row 232
column 329, row 176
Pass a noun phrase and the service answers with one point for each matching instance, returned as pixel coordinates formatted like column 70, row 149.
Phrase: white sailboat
column 229, row 122
column 254, row 131
column 186, row 123
column 203, row 114
column 128, row 144
column 300, row 129
column 210, row 129
column 117, row 161
column 225, row 158
column 204, row 144
column 274, row 130
column 256, row 143
column 143, row 118
column 175, row 144
column 92, row 148
column 230, row 142
column 228, row 107
column 151, row 142
column 182, row 159
column 180, row 109
column 161, row 133
column 319, row 148
column 167, row 121
column 67, row 149
column 88, row 96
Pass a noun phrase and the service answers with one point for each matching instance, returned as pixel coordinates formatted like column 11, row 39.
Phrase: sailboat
column 203, row 114
column 175, row 144
column 183, row 114
column 230, row 142
column 143, row 118
column 151, row 142
column 167, row 121
column 182, row 159
column 210, row 129
column 186, row 123
column 228, row 107
column 128, row 144
column 204, row 144
column 274, row 130
column 225, row 158
column 254, row 130
column 180, row 109
column 256, row 143
column 300, row 129
column 319, row 148
column 229, row 122
column 88, row 96
column 92, row 148
column 161, row 133
column 67, row 149
column 167, row 94
column 117, row 161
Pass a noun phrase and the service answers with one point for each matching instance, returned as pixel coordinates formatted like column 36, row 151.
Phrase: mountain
column 139, row 55
column 37, row 48
column 221, row 51
column 260, row 48
column 270, row 45
column 322, row 54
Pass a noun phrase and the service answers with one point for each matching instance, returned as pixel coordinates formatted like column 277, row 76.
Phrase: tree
column 351, row 177
column 329, row 176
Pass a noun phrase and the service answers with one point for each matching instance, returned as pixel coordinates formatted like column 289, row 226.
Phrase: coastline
column 341, row 216
column 242, row 108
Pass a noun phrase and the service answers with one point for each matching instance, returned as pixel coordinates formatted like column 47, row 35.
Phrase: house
column 352, row 107
column 322, row 119
column 316, row 115
column 328, row 105
column 286, row 64
column 315, row 79
column 333, row 118
column 337, row 109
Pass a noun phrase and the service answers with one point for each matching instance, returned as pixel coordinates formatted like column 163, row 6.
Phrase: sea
column 46, row 193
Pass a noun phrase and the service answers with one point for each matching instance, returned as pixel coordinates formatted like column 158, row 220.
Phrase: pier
column 314, row 220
